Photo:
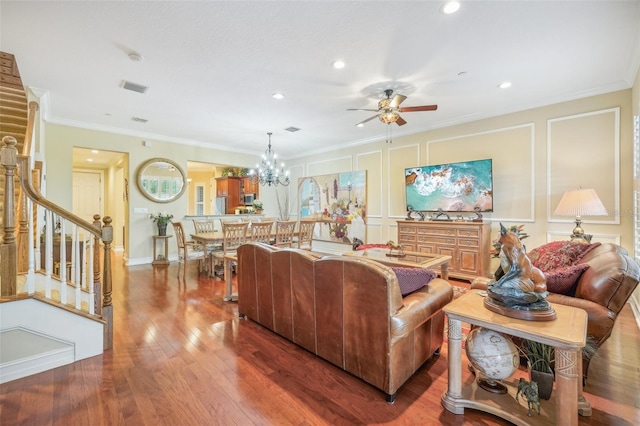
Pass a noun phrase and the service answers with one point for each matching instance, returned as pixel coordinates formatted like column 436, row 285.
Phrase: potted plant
column 516, row 229
column 257, row 205
column 161, row 220
column 540, row 358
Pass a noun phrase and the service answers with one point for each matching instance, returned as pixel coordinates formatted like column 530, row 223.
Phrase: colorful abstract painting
column 338, row 202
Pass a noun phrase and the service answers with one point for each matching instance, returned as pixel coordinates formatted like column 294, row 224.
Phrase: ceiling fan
column 389, row 109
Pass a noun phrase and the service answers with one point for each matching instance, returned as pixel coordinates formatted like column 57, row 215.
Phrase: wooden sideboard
column 468, row 244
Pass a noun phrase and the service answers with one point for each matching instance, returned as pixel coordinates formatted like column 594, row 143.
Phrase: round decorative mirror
column 161, row 180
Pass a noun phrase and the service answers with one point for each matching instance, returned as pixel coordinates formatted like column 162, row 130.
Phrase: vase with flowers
column 257, row 206
column 161, row 220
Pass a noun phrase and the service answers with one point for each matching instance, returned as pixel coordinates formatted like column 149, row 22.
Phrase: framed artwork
column 338, row 202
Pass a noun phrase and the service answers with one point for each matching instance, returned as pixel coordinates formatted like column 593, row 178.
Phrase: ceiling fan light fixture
column 389, row 117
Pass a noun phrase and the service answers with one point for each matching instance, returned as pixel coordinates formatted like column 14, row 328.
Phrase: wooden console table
column 567, row 333
column 161, row 260
column 468, row 243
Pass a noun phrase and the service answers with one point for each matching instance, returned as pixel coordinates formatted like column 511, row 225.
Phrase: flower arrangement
column 161, row 218
column 257, row 204
column 339, row 229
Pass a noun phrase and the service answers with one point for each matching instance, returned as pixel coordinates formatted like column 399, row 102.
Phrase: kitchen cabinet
column 231, row 188
column 251, row 186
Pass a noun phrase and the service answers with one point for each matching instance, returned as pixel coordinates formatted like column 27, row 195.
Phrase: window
column 199, row 199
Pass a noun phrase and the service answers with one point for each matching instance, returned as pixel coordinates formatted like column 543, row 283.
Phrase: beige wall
column 61, row 140
column 537, row 155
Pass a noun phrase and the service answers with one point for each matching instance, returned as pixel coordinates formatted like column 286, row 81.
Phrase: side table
column 160, row 259
column 567, row 333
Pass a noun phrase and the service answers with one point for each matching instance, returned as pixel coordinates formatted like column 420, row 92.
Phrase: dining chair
column 284, row 233
column 305, row 235
column 188, row 251
column 207, row 225
column 234, row 234
column 267, row 219
column 203, row 225
column 261, row 232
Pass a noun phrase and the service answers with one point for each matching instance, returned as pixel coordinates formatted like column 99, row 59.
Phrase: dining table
column 217, row 237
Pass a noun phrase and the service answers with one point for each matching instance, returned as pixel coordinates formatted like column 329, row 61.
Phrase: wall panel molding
column 597, row 134
column 371, row 161
column 398, row 159
column 330, row 166
column 514, row 167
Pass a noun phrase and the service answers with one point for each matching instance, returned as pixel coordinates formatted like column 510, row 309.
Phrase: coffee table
column 567, row 333
column 412, row 259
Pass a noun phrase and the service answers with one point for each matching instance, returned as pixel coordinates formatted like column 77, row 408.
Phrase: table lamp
column 580, row 202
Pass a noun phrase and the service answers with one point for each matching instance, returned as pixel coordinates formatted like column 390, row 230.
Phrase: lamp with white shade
column 580, row 202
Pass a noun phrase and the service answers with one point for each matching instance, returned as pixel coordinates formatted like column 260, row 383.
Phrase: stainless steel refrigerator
column 221, row 205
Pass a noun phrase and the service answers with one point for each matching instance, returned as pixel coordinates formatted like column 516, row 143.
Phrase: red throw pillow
column 412, row 279
column 557, row 254
column 564, row 280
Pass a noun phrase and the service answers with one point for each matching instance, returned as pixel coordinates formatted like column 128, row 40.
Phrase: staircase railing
column 63, row 257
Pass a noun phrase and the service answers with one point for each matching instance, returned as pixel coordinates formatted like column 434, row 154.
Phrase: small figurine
column 476, row 210
column 441, row 215
column 393, row 246
column 411, row 210
column 529, row 391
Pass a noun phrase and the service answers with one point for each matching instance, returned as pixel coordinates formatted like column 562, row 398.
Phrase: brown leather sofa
column 602, row 290
column 346, row 310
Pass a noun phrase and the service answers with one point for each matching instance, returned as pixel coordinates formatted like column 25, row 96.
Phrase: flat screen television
column 455, row 187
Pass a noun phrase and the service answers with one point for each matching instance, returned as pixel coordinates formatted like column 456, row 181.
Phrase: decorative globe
column 493, row 355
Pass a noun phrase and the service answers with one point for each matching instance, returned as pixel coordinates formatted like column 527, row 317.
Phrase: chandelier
column 269, row 172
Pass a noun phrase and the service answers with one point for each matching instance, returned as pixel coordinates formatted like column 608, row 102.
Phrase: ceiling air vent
column 292, row 129
column 134, row 87
column 139, row 120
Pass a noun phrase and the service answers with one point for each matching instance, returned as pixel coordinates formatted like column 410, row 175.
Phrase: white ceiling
column 212, row 66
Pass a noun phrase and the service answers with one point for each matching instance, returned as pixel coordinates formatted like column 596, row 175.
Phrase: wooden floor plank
column 182, row 356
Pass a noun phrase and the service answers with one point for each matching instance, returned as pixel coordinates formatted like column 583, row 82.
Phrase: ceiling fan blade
column 397, row 100
column 368, row 119
column 360, row 109
column 400, row 121
column 419, row 108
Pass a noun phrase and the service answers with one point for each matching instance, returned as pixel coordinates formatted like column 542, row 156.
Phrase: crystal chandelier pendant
column 269, row 172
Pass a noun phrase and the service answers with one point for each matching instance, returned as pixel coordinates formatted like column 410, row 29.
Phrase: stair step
column 25, row 352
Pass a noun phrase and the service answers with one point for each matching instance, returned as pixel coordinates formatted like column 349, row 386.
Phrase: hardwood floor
column 183, row 357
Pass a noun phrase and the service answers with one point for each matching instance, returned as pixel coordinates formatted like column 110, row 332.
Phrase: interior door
column 87, row 194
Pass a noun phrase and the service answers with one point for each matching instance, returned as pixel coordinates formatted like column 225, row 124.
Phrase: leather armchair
column 602, row 290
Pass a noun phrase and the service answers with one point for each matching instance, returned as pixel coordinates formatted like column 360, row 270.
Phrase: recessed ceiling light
column 338, row 64
column 504, row 85
column 90, row 160
column 450, row 7
column 95, row 151
column 277, row 96
column 360, row 125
